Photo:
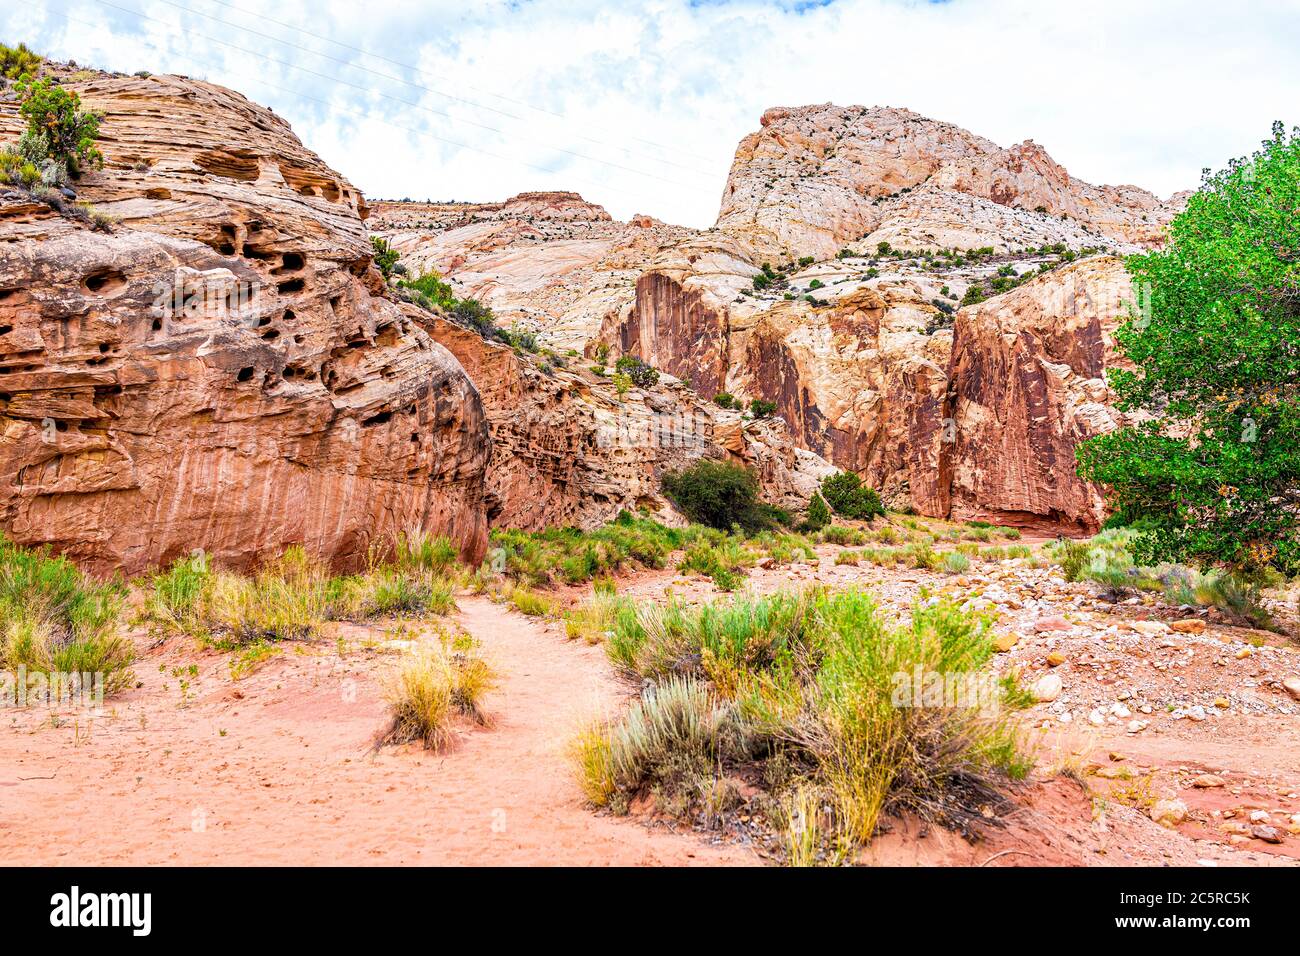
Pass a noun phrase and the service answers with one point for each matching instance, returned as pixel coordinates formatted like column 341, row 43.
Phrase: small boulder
column 1193, row 625
column 1169, row 813
column 1055, row 623
column 1004, row 642
column 1047, row 688
column 1266, row 833
column 1208, row 781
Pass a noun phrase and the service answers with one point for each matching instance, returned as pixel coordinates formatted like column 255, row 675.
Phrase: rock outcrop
column 547, row 263
column 1027, row 386
column 815, row 179
column 568, row 450
column 223, row 371
column 851, row 339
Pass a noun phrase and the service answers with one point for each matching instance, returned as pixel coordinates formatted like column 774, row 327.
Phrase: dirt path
column 275, row 769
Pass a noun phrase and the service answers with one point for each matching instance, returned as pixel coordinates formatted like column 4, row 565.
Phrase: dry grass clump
column 55, row 620
column 593, row 620
column 434, row 687
column 292, row 596
column 807, row 684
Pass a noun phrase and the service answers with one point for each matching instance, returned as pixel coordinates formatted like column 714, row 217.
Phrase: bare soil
column 280, row 767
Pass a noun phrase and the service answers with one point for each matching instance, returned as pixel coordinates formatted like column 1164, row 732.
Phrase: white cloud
column 654, row 94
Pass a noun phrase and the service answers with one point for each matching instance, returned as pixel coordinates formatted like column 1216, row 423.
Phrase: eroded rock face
column 859, row 381
column 1028, row 385
column 222, row 371
column 855, row 348
column 567, row 450
column 815, row 179
column 547, row 263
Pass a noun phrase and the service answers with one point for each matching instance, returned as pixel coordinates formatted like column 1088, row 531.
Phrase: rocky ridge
column 547, row 263
column 223, row 369
column 213, row 362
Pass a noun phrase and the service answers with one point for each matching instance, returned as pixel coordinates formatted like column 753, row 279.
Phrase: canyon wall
column 222, row 370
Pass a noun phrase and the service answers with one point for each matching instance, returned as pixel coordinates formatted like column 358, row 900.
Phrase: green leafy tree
column 720, row 495
column 1215, row 345
column 849, row 497
column 641, row 374
column 386, row 257
column 819, row 515
column 54, row 117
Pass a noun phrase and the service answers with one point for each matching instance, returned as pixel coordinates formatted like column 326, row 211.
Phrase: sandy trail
column 275, row 769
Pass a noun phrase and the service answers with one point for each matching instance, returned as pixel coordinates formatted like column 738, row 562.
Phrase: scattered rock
column 1057, row 623
column 1047, row 688
column 1150, row 628
column 1266, row 833
column 1169, row 813
column 1292, row 686
column 1192, row 625
column 1208, row 781
column 1055, row 659
column 1004, row 642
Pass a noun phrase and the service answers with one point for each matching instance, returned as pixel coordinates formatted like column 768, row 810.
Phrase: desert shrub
column 841, row 534
column 783, row 547
column 723, row 561
column 849, row 497
column 593, row 620
column 738, row 684
column 529, row 602
column 292, row 596
column 818, row 516
column 385, row 256
column 428, row 290
column 431, row 687
column 725, row 400
column 1073, row 558
column 954, row 562
column 761, row 408
column 54, row 619
column 718, row 494
column 1117, row 578
column 669, row 740
column 537, row 558
column 173, row 599
column 18, row 60
column 419, row 550
column 1237, row 596
column 55, row 118
column 921, row 555
column 876, row 754
column 641, row 374
column 846, row 557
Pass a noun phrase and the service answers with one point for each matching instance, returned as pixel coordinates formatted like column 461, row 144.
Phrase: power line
column 420, row 72
column 395, row 99
column 371, row 117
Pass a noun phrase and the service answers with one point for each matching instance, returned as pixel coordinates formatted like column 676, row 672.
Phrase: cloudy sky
column 638, row 104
